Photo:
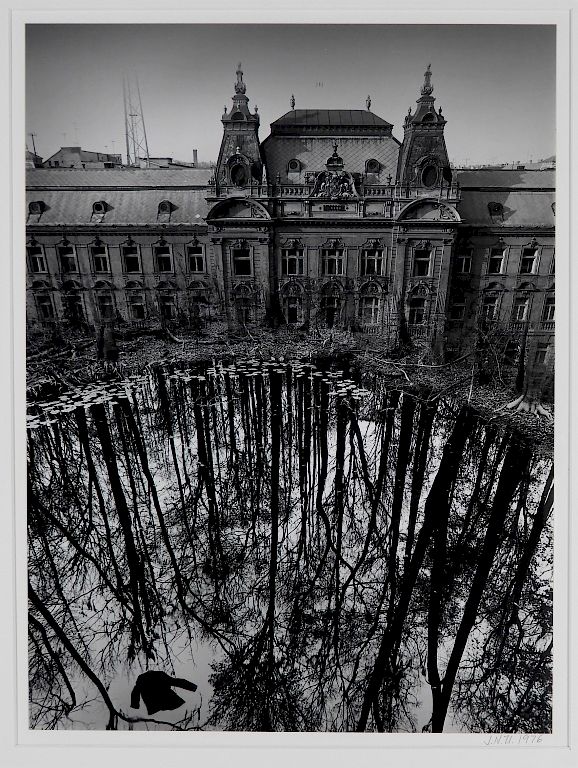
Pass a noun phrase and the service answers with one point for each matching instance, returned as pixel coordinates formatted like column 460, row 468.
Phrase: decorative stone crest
column 334, row 185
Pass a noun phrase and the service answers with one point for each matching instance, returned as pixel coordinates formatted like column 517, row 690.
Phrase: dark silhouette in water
column 156, row 691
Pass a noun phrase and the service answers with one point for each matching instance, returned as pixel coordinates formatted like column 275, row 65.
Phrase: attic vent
column 36, row 208
column 372, row 166
column 99, row 207
column 293, row 166
column 495, row 209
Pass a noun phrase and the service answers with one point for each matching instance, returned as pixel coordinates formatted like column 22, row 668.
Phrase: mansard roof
column 331, row 121
column 137, row 206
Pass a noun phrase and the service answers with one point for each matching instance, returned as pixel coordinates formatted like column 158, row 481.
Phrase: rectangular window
column 416, row 311
column 136, row 306
column 195, row 258
column 489, row 308
column 520, row 309
column 541, row 354
column 457, row 310
column 292, row 261
column 332, row 261
column 242, row 262
column 105, row 306
column 421, row 263
column 163, row 258
column 528, row 262
column 548, row 311
column 100, row 260
column 464, row 263
column 36, row 258
column 293, row 310
column 67, row 259
column 496, row 261
column 45, row 307
column 167, row 307
column 372, row 262
column 131, row 258
column 369, row 310
column 73, row 308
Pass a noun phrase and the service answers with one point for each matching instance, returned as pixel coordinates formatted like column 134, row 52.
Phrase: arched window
column 429, row 176
column 244, row 300
column 292, row 299
column 370, row 305
column 239, row 175
column 331, row 303
column 72, row 303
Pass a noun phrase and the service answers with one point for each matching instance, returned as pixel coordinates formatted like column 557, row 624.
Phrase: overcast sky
column 496, row 84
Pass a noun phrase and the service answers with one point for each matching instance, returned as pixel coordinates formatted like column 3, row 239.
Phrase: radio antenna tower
column 137, row 147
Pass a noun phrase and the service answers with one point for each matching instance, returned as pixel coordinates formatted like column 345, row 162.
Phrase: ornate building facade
column 330, row 221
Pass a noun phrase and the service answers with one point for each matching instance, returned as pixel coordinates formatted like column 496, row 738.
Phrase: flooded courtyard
column 313, row 550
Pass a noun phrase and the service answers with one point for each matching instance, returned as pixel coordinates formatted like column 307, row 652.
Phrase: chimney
column 194, row 157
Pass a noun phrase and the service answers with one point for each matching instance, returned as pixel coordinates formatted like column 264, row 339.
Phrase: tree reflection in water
column 353, row 559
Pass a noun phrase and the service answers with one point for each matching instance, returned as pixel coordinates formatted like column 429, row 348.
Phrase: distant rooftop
column 117, row 178
column 505, row 178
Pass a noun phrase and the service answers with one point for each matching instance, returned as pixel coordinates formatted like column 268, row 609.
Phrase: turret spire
column 240, row 86
column 292, row 101
column 427, row 87
column 368, row 102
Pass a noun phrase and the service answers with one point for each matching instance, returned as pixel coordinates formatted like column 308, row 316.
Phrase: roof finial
column 240, row 86
column 427, row 87
column 292, row 101
column 368, row 102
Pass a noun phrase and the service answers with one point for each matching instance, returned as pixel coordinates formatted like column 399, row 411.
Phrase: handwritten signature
column 513, row 739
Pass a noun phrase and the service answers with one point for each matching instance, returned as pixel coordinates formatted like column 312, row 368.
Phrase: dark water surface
column 313, row 553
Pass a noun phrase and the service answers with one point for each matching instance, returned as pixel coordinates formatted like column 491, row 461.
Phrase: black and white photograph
column 290, row 351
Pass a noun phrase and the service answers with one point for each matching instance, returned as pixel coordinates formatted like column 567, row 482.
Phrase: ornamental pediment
column 334, row 185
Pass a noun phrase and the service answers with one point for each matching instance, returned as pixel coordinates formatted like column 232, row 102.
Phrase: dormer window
column 99, row 208
column 496, row 210
column 237, row 116
column 372, row 166
column 36, row 208
column 293, row 166
column 165, row 208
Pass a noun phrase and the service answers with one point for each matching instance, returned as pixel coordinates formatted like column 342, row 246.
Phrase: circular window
column 429, row 176
column 99, row 208
column 294, row 166
column 164, row 207
column 239, row 175
column 35, row 207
